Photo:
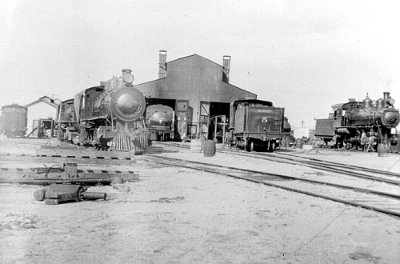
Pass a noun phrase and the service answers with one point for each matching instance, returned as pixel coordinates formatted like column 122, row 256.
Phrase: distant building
column 44, row 108
column 195, row 87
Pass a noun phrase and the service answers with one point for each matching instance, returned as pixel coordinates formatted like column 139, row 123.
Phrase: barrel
column 40, row 194
column 299, row 143
column 381, row 150
column 209, row 148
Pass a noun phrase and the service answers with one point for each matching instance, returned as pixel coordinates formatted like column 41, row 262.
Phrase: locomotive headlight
column 390, row 118
column 127, row 75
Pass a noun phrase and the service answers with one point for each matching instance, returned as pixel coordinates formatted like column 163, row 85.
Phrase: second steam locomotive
column 355, row 124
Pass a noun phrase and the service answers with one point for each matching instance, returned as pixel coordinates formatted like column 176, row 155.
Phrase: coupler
column 62, row 193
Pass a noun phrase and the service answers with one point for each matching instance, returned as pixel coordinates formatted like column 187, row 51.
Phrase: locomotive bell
column 127, row 104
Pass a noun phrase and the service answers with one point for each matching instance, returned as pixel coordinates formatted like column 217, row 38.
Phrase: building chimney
column 226, row 66
column 162, row 65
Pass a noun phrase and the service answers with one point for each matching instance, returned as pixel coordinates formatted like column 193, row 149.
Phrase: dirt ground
column 175, row 215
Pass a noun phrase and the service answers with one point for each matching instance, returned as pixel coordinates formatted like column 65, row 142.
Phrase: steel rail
column 319, row 166
column 216, row 169
column 344, row 165
column 315, row 164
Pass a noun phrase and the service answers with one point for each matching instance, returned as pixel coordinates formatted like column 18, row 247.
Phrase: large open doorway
column 213, row 120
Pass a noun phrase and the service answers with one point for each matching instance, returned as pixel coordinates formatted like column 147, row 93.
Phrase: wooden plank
column 86, row 160
column 88, row 178
column 83, row 153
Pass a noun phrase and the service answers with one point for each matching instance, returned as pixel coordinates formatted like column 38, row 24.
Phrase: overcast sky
column 302, row 55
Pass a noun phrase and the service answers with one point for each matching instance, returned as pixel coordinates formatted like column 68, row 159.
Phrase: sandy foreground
column 175, row 215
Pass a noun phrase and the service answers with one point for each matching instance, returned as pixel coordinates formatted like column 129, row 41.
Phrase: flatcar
column 356, row 124
column 14, row 120
column 109, row 115
column 160, row 122
column 256, row 124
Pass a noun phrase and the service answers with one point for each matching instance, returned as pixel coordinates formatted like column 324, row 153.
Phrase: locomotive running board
column 83, row 153
column 87, row 177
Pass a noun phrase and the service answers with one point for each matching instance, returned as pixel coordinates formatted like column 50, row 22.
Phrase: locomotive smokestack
column 386, row 96
column 162, row 65
column 226, row 67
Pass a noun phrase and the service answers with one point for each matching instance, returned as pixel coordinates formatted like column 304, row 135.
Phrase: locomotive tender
column 355, row 123
column 109, row 115
column 256, row 123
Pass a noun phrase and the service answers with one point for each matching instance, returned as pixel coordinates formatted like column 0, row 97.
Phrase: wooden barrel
column 209, row 148
column 39, row 194
column 381, row 150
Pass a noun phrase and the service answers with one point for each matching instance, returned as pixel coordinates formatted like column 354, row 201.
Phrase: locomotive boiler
column 358, row 123
column 256, row 123
column 160, row 122
column 109, row 115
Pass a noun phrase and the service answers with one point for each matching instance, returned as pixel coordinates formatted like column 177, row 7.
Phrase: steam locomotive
column 160, row 121
column 256, row 123
column 355, row 124
column 109, row 115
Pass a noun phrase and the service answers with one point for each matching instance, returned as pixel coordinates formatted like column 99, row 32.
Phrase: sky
column 302, row 55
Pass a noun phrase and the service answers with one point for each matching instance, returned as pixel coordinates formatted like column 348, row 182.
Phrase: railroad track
column 369, row 196
column 338, row 168
column 333, row 167
column 342, row 165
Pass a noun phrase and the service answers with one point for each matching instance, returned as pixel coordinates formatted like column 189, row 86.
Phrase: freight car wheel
column 250, row 145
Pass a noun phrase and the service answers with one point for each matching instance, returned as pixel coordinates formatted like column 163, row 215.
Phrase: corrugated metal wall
column 196, row 79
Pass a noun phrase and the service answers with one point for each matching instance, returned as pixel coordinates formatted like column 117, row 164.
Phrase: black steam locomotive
column 356, row 124
column 109, row 115
column 255, row 123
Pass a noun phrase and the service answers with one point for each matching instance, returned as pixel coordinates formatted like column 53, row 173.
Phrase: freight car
column 14, row 120
column 160, row 122
column 109, row 115
column 256, row 124
column 358, row 124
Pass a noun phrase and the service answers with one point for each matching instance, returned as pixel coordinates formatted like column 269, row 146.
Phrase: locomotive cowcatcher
column 256, row 123
column 359, row 124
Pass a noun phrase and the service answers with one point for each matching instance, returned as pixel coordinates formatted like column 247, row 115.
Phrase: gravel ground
column 175, row 215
